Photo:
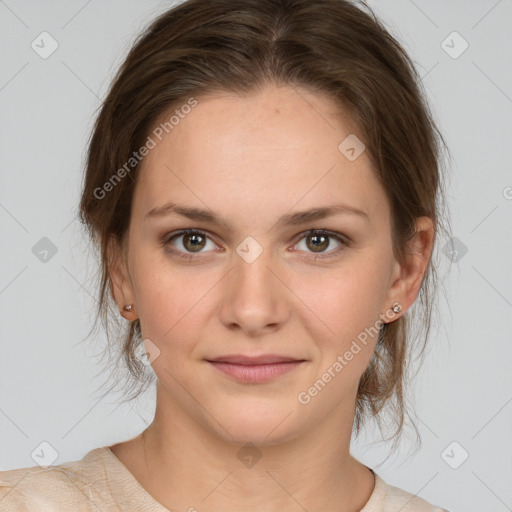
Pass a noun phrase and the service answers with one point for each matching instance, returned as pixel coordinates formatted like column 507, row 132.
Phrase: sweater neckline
column 124, row 485
column 125, row 488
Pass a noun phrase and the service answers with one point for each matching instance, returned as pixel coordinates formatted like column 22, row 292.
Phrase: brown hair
column 333, row 47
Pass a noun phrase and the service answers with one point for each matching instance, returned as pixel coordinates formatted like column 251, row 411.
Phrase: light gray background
column 49, row 381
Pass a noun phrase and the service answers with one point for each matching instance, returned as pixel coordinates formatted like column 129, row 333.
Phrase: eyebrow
column 290, row 219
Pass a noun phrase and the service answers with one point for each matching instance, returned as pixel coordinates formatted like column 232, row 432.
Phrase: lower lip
column 255, row 372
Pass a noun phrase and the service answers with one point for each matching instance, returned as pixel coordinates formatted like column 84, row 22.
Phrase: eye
column 317, row 241
column 189, row 241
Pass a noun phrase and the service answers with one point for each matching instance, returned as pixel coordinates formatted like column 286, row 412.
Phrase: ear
column 409, row 274
column 120, row 283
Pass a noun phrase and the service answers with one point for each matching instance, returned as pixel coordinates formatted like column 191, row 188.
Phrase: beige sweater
column 101, row 482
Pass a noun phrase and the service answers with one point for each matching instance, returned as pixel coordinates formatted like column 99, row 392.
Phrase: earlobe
column 119, row 280
column 417, row 257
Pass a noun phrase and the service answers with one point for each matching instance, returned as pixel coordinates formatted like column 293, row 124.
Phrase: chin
column 262, row 424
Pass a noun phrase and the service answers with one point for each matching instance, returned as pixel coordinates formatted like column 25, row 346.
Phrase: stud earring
column 128, row 307
column 397, row 308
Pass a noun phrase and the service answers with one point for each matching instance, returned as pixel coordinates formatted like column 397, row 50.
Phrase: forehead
column 259, row 154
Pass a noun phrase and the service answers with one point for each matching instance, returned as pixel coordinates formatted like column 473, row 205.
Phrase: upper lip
column 252, row 360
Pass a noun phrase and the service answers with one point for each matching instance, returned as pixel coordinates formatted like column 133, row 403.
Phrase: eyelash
column 322, row 232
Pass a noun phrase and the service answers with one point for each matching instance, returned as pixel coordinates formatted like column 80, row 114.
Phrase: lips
column 252, row 360
column 255, row 369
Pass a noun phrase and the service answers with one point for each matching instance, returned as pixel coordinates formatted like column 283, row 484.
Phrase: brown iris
column 193, row 242
column 320, row 242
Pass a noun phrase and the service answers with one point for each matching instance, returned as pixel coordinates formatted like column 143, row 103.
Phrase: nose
column 254, row 298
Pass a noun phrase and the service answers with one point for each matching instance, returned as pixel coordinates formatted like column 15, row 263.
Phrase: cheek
column 344, row 301
column 344, row 328
column 169, row 300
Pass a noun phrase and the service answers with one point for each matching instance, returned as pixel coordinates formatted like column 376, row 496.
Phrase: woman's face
column 257, row 282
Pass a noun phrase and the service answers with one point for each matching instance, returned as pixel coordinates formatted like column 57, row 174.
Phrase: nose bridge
column 253, row 279
column 254, row 298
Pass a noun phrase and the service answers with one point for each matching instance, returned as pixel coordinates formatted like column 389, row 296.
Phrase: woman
column 263, row 182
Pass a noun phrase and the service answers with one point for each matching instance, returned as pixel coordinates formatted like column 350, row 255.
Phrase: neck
column 186, row 466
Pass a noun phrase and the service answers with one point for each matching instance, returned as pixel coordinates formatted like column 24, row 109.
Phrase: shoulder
column 77, row 485
column 387, row 498
column 401, row 500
